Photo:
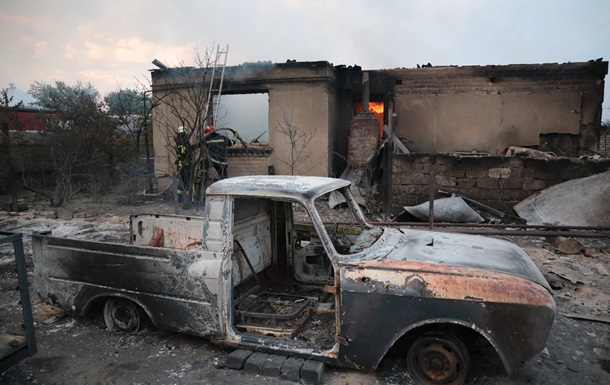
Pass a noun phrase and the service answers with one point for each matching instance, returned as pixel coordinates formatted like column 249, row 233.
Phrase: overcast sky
column 111, row 44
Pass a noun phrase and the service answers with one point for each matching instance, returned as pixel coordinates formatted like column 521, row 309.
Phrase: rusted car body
column 260, row 270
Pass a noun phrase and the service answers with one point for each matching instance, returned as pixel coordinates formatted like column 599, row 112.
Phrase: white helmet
column 181, row 129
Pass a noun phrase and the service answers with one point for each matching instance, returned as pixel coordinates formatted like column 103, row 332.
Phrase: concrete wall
column 302, row 96
column 499, row 182
column 299, row 117
column 487, row 109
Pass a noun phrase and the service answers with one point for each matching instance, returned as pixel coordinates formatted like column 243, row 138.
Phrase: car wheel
column 121, row 315
column 438, row 358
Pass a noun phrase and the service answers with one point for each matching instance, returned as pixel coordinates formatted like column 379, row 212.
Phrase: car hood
column 461, row 250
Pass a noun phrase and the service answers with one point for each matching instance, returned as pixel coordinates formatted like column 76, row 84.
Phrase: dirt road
column 83, row 351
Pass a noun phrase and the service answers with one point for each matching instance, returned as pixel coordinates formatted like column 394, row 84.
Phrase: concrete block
column 512, row 184
column 64, row 213
column 476, row 173
column 534, row 185
column 572, row 173
column 466, row 184
column 291, row 369
column 499, row 173
column 515, row 162
column 254, row 363
column 522, row 173
column 48, row 214
column 237, row 359
column 489, row 184
column 444, row 181
column 457, row 172
column 312, row 372
column 272, row 365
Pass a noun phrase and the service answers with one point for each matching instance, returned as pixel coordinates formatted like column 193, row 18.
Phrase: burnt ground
column 83, row 351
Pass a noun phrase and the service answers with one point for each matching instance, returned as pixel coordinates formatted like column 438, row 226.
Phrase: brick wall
column 500, row 79
column 254, row 161
column 496, row 181
column 604, row 142
column 363, row 139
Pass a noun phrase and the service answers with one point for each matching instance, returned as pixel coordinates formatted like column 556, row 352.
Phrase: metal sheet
column 578, row 202
column 453, row 209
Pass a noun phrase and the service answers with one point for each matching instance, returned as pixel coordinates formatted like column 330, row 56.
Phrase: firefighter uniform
column 183, row 161
column 216, row 145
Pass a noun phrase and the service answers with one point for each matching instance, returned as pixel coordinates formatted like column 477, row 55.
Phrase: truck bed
column 176, row 288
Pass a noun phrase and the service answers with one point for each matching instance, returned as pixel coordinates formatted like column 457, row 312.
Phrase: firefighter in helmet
column 217, row 150
column 183, row 161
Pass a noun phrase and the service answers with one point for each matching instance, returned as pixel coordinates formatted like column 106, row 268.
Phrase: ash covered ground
column 83, row 351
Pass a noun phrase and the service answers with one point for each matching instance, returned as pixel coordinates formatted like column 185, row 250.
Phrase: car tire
column 121, row 315
column 438, row 358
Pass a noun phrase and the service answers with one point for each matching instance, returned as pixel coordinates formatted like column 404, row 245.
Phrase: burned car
column 262, row 271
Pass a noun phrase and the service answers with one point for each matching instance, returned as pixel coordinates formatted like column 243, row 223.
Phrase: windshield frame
column 360, row 220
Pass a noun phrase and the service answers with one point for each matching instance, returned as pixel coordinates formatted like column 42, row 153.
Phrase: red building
column 28, row 113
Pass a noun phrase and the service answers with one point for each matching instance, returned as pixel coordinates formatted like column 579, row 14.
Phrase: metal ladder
column 218, row 64
column 216, row 80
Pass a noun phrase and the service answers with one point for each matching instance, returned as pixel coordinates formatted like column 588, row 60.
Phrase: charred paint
column 447, row 282
column 411, row 294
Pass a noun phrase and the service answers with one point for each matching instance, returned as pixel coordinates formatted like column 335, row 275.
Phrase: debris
column 529, row 153
column 555, row 285
column 54, row 318
column 22, row 205
column 480, row 205
column 601, row 270
column 472, row 154
column 81, row 215
column 567, row 273
column 453, row 209
column 587, row 317
column 584, row 290
column 577, row 202
column 64, row 213
column 567, row 245
column 592, row 252
column 399, row 147
column 354, row 175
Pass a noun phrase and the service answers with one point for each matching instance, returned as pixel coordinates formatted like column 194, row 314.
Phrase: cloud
column 41, row 48
column 126, row 50
column 21, row 21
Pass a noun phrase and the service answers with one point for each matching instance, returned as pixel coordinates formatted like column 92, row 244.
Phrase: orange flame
column 377, row 109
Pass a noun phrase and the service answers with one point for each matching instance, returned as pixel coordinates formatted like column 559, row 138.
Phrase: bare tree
column 298, row 140
column 82, row 143
column 131, row 109
column 11, row 139
column 187, row 101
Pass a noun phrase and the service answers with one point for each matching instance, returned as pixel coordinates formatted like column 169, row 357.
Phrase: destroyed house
column 434, row 110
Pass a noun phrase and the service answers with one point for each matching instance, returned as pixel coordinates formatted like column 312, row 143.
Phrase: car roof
column 277, row 186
